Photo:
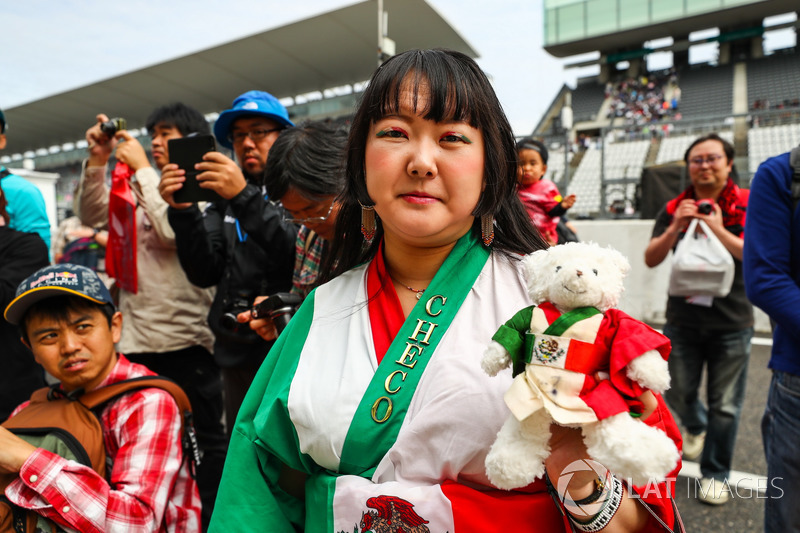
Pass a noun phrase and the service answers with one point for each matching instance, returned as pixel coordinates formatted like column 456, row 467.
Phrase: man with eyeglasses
column 305, row 174
column 243, row 243
column 705, row 331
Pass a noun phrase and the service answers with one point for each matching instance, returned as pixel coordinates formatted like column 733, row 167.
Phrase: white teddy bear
column 581, row 363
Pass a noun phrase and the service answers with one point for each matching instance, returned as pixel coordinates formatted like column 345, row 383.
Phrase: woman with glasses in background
column 305, row 173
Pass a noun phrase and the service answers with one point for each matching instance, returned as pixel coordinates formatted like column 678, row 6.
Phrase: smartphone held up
column 186, row 152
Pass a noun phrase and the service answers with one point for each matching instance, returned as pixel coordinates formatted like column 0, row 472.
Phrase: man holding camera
column 714, row 332
column 165, row 327
column 241, row 243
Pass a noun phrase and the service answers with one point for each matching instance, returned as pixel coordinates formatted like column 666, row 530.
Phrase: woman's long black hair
column 455, row 88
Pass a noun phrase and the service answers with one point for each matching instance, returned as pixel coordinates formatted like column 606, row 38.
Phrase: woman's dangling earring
column 487, row 229
column 367, row 222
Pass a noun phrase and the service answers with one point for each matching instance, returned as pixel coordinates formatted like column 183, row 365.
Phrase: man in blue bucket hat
column 243, row 243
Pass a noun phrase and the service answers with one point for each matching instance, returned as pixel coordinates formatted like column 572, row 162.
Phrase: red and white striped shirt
column 150, row 486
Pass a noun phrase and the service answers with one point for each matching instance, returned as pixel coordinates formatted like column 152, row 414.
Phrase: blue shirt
column 26, row 207
column 772, row 258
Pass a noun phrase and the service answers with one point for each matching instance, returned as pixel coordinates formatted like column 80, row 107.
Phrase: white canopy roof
column 326, row 51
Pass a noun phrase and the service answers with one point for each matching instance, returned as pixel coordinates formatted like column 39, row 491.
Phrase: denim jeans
column 725, row 355
column 780, row 430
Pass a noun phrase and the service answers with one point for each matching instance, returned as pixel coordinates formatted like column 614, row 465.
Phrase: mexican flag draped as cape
column 329, row 440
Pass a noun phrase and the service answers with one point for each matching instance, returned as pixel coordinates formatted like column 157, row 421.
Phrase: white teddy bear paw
column 651, row 371
column 517, row 456
column 495, row 358
column 631, row 449
column 509, row 473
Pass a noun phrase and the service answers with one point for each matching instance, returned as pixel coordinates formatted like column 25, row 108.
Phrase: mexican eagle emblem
column 547, row 350
column 392, row 515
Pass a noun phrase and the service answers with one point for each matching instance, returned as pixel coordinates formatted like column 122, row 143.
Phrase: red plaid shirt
column 150, row 488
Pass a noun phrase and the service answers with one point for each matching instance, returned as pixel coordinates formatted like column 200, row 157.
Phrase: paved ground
column 744, row 513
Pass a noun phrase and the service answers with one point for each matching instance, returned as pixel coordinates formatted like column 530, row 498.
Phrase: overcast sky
column 49, row 47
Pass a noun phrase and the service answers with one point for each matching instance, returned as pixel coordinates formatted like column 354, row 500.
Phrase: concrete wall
column 645, row 294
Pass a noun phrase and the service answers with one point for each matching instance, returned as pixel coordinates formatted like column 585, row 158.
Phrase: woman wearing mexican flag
column 371, row 413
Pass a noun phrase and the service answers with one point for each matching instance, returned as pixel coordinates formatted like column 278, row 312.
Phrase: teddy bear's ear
column 537, row 276
column 534, row 261
column 619, row 260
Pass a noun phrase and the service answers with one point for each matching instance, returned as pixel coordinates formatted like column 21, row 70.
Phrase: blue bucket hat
column 251, row 103
column 63, row 279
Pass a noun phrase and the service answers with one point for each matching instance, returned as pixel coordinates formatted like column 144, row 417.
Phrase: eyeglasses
column 238, row 137
column 311, row 220
column 711, row 159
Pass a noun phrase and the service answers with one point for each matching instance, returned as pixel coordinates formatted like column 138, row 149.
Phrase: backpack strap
column 794, row 162
column 103, row 395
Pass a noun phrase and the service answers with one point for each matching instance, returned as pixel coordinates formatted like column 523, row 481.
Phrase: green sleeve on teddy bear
column 511, row 335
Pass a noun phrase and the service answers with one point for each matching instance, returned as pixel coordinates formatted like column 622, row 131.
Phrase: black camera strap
column 3, row 173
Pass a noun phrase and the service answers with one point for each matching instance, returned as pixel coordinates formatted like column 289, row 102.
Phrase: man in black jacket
column 242, row 243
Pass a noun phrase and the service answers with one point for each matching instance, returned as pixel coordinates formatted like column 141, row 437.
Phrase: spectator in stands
column 645, row 99
column 68, row 321
column 540, row 197
column 165, row 327
column 243, row 244
column 79, row 244
column 772, row 280
column 26, row 208
column 305, row 172
column 21, row 254
column 714, row 333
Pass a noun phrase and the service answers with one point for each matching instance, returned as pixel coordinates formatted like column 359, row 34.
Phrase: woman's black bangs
column 436, row 78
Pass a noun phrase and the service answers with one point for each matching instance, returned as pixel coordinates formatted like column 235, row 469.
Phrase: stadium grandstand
column 634, row 116
column 631, row 116
column 297, row 64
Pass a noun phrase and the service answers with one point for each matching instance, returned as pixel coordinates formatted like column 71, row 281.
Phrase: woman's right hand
column 264, row 327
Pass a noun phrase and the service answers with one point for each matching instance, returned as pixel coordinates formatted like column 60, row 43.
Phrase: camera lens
column 112, row 126
column 229, row 322
column 705, row 208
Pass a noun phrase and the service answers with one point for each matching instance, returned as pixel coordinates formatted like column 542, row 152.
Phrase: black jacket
column 246, row 249
column 21, row 254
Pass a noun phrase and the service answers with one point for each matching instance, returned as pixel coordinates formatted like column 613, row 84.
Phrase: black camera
column 280, row 307
column 704, row 207
column 228, row 319
column 112, row 126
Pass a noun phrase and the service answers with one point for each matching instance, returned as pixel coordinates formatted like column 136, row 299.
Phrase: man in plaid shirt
column 69, row 322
